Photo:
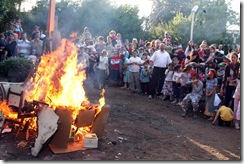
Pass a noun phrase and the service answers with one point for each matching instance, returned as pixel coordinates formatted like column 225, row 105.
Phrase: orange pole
column 50, row 23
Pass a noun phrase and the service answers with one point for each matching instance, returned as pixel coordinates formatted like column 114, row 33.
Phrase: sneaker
column 150, row 97
column 237, row 126
column 174, row 102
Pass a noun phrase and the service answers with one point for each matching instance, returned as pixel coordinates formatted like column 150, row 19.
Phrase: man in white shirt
column 158, row 64
column 24, row 46
column 135, row 62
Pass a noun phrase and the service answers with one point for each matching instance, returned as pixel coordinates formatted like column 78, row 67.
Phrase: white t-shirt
column 176, row 76
column 103, row 61
column 135, row 67
column 168, row 76
column 161, row 59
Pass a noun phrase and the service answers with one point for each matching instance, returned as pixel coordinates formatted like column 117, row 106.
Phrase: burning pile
column 58, row 82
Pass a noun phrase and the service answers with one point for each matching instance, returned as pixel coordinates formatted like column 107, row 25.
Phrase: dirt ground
column 142, row 129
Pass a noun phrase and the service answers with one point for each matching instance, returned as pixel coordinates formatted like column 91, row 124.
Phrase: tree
column 126, row 21
column 37, row 16
column 178, row 28
column 209, row 24
column 99, row 16
column 165, row 10
column 9, row 11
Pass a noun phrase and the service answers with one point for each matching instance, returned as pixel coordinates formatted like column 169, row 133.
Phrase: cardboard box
column 90, row 141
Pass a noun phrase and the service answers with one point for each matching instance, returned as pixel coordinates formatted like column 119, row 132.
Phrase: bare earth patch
column 141, row 129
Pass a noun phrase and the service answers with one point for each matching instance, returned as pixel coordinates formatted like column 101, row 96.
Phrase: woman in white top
column 102, row 66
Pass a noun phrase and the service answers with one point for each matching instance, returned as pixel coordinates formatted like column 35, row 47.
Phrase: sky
column 144, row 6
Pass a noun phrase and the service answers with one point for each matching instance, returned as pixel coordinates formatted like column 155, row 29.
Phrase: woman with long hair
column 230, row 80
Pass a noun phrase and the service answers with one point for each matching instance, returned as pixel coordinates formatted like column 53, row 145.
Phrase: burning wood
column 58, row 83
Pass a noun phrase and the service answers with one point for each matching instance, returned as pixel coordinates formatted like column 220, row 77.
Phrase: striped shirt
column 24, row 47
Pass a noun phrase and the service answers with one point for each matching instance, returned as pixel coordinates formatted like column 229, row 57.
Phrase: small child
column 168, row 83
column 183, row 79
column 224, row 115
column 144, row 77
column 176, row 84
column 220, row 73
column 144, row 58
column 126, row 73
column 33, row 57
column 17, row 27
column 211, row 86
column 201, row 74
column 175, row 61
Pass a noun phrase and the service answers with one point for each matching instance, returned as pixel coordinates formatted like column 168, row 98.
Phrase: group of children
column 185, row 86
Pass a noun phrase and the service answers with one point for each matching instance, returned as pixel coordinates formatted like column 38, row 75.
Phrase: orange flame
column 101, row 101
column 7, row 111
column 58, row 80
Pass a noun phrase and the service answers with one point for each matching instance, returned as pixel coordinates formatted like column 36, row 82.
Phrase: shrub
column 15, row 69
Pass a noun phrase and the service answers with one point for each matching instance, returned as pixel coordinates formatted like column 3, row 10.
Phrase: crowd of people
column 157, row 68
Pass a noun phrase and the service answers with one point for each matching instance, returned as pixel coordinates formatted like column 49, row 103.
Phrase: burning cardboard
column 47, row 126
column 61, row 137
column 58, row 81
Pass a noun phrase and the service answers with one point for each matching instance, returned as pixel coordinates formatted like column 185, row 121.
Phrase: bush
column 15, row 69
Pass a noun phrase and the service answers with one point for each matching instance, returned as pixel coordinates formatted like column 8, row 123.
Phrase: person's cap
column 179, row 46
column 166, row 33
column 33, row 50
column 22, row 55
column 222, row 64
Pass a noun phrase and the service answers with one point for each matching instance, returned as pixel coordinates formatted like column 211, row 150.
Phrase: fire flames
column 58, row 81
column 7, row 111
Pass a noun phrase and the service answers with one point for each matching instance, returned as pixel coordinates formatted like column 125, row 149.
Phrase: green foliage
column 9, row 10
column 165, row 10
column 99, row 16
column 15, row 69
column 37, row 16
column 209, row 24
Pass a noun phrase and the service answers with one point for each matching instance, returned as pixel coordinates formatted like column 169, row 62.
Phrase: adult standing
column 11, row 46
column 37, row 44
column 230, row 80
column 158, row 64
column 24, row 46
